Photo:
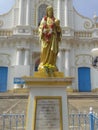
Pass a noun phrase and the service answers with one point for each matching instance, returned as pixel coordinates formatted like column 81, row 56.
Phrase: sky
column 6, row 5
column 85, row 7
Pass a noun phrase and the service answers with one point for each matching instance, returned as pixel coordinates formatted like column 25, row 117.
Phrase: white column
column 28, row 13
column 66, row 12
column 27, row 57
column 18, row 56
column 20, row 12
column 60, row 61
column 67, row 64
column 58, row 9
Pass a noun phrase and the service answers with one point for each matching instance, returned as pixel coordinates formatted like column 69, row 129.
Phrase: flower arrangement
column 49, row 69
column 48, row 29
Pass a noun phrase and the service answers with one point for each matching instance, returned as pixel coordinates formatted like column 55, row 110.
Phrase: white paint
column 94, row 52
column 46, row 91
column 18, row 20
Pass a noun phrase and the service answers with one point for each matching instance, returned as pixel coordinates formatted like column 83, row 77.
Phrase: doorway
column 84, row 81
column 3, row 79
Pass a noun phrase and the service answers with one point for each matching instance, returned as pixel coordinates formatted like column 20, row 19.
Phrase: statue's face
column 50, row 13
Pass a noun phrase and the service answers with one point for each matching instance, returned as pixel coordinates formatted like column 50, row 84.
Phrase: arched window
column 41, row 12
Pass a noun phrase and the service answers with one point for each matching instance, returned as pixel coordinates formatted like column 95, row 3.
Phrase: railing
column 67, row 32
column 12, row 121
column 77, row 121
column 93, row 120
column 6, row 32
column 83, row 34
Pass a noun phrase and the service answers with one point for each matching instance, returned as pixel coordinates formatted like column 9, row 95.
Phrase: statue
column 50, row 36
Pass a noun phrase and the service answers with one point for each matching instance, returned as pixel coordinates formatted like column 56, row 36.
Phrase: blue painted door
column 3, row 79
column 84, row 81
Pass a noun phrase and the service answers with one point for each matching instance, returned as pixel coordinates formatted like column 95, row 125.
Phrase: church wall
column 7, row 20
column 7, row 57
column 81, row 57
column 24, row 12
column 34, row 10
column 94, row 78
column 10, row 84
column 15, row 16
column 70, row 14
column 62, row 14
column 74, row 49
column 81, row 22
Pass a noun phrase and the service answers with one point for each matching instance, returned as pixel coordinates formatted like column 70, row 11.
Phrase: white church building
column 20, row 47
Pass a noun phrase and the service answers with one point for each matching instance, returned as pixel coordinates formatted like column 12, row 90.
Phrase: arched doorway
column 3, row 79
column 84, row 81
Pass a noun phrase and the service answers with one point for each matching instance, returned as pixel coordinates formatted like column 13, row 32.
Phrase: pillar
column 18, row 56
column 60, row 61
column 18, row 63
column 20, row 12
column 28, row 13
column 27, row 57
column 67, row 69
column 67, row 64
column 58, row 9
column 66, row 12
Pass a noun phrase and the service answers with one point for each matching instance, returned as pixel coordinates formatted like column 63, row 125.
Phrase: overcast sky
column 84, row 7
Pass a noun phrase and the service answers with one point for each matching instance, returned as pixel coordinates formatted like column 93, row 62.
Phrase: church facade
column 20, row 46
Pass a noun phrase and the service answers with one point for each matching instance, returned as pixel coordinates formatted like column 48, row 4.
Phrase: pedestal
column 47, row 105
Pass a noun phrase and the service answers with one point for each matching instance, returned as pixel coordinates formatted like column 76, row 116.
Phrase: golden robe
column 50, row 36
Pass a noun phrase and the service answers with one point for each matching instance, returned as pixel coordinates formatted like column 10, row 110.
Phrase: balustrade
column 6, row 33
column 12, row 121
column 77, row 121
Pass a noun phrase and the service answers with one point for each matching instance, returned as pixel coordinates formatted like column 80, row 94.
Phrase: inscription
column 48, row 114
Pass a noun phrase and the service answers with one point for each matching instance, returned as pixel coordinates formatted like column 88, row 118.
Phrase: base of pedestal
column 47, row 105
column 47, row 109
column 43, row 74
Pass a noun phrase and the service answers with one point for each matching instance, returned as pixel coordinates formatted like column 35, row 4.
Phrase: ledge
column 51, row 81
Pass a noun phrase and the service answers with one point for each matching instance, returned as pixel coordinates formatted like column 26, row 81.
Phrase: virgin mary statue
column 50, row 36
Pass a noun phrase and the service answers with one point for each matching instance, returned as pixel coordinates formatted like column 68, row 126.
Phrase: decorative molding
column 83, row 34
column 88, row 25
column 6, row 32
column 67, row 31
column 4, row 59
column 83, row 59
column 22, row 30
column 1, row 23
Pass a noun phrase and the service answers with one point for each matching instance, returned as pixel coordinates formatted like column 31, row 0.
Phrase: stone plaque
column 48, row 113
